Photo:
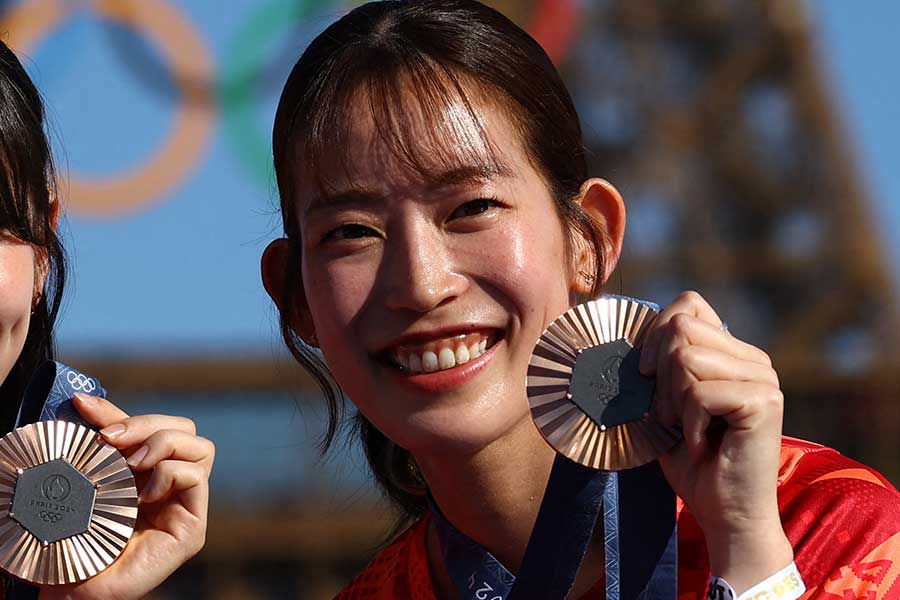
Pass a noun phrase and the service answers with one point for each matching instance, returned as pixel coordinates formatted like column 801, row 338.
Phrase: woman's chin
column 463, row 435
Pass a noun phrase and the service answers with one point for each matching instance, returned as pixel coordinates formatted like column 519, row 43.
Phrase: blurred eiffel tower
column 715, row 120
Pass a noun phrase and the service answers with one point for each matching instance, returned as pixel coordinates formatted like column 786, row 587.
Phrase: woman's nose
column 420, row 272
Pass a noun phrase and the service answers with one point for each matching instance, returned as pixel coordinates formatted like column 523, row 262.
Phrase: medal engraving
column 53, row 501
column 607, row 385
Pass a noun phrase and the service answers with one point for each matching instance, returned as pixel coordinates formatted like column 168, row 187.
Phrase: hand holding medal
column 726, row 476
column 590, row 387
column 59, row 468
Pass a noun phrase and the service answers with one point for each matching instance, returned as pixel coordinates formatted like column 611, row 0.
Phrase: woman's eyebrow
column 468, row 174
column 341, row 200
column 353, row 197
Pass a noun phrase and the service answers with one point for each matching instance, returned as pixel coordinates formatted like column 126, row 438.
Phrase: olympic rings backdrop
column 161, row 114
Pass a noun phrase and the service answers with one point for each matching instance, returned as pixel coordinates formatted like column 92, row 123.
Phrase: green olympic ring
column 240, row 74
column 246, row 55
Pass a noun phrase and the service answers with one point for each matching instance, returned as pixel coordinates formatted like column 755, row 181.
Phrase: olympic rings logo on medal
column 203, row 93
column 50, row 517
column 81, row 382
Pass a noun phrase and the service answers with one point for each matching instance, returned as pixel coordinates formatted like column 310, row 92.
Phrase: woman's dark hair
column 27, row 197
column 382, row 56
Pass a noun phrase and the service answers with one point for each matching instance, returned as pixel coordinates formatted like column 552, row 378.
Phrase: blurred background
column 755, row 143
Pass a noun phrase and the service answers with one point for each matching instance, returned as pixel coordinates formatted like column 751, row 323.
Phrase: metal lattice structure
column 714, row 120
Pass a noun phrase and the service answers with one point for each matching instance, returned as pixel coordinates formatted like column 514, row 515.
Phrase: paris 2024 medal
column 68, row 503
column 587, row 397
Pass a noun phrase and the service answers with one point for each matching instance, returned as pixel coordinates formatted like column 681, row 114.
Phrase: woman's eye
column 474, row 207
column 352, row 231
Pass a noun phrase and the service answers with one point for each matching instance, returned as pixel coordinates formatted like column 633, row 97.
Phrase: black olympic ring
column 81, row 382
column 50, row 517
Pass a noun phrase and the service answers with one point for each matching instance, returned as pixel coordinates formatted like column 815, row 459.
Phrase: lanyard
column 639, row 538
column 560, row 536
column 48, row 396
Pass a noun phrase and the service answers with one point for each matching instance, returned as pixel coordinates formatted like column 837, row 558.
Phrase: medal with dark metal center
column 68, row 501
column 587, row 396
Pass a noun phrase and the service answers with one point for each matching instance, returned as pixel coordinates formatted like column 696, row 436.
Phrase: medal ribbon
column 639, row 538
column 48, row 397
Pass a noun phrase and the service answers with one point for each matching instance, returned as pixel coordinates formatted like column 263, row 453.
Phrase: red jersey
column 842, row 519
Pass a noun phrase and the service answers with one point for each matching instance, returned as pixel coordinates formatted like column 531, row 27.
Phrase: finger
column 172, row 444
column 702, row 333
column 668, row 411
column 689, row 364
column 186, row 479
column 674, row 336
column 690, row 303
column 98, row 411
column 744, row 405
column 684, row 331
column 135, row 430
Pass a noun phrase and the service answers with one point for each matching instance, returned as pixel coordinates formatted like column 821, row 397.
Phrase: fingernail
column 85, row 399
column 139, row 454
column 112, row 431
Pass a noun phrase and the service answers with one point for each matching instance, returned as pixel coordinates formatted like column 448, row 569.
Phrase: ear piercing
column 588, row 278
column 35, row 300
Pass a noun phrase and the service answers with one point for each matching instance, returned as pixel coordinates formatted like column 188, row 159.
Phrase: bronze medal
column 587, row 397
column 68, row 503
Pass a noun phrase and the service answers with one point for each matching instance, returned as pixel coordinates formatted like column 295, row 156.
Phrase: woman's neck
column 493, row 495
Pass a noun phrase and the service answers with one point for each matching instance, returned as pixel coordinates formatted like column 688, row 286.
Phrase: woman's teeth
column 441, row 355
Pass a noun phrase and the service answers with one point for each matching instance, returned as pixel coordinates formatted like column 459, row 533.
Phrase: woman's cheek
column 531, row 266
column 336, row 295
column 16, row 292
column 16, row 284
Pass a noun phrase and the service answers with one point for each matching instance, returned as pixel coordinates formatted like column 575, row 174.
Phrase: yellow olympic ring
column 192, row 126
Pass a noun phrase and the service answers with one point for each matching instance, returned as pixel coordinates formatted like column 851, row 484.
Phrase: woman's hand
column 725, row 395
column 171, row 464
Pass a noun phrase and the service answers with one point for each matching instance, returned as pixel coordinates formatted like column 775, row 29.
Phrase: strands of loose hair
column 401, row 64
column 28, row 191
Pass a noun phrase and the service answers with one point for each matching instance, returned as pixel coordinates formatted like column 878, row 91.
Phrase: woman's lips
column 443, row 353
column 444, row 380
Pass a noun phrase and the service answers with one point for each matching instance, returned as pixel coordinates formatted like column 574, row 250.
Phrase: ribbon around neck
column 639, row 539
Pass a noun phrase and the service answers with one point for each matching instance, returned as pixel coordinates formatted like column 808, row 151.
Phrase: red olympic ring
column 551, row 22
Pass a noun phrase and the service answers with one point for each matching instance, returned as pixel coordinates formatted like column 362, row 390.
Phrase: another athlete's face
column 17, row 285
column 427, row 297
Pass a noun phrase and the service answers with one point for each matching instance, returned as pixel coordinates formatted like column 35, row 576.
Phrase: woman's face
column 428, row 296
column 17, row 286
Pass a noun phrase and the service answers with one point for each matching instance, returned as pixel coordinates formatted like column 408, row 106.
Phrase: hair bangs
column 25, row 186
column 422, row 113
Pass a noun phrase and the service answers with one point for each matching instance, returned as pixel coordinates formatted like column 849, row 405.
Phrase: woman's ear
column 276, row 260
column 604, row 205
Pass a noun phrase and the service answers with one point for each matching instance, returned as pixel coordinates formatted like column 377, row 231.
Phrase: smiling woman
column 439, row 216
column 170, row 461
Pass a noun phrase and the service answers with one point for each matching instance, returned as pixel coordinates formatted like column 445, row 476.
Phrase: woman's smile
column 427, row 292
column 424, row 353
column 441, row 373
